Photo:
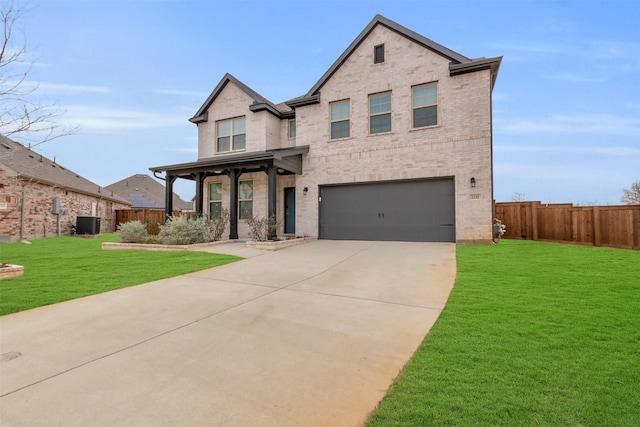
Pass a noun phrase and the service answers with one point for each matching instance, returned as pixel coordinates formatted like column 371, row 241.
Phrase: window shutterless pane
column 223, row 143
column 246, row 209
column 425, row 95
column 380, row 103
column 245, row 190
column 238, row 125
column 215, row 191
column 340, row 129
column 380, row 123
column 339, row 110
column 215, row 209
column 292, row 128
column 224, row 128
column 425, row 116
column 239, row 141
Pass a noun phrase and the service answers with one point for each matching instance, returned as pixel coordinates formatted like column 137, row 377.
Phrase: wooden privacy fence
column 150, row 217
column 615, row 226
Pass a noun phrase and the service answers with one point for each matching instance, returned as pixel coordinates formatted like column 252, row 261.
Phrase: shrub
column 152, row 239
column 132, row 232
column 261, row 229
column 216, row 226
column 181, row 230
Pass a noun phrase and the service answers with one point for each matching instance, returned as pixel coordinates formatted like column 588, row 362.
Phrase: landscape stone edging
column 278, row 244
column 11, row 270
column 265, row 246
column 158, row 247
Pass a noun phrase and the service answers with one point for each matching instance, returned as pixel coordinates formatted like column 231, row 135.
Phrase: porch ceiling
column 287, row 159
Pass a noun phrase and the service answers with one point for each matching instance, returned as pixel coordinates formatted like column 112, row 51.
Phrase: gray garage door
column 416, row 211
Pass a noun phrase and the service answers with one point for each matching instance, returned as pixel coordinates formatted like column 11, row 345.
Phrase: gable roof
column 459, row 64
column 145, row 192
column 260, row 103
column 31, row 165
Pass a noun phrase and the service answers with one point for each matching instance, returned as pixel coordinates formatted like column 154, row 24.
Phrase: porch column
column 168, row 196
column 199, row 193
column 234, row 175
column 272, row 174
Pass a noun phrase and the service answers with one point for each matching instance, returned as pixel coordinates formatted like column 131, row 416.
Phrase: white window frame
column 339, row 119
column 414, row 107
column 233, row 133
column 381, row 113
column 292, row 125
column 241, row 200
column 217, row 202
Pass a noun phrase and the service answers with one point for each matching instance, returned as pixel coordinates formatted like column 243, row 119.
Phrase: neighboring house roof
column 145, row 192
column 260, row 103
column 30, row 165
column 459, row 64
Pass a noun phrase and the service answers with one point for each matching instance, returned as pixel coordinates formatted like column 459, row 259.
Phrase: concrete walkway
column 311, row 335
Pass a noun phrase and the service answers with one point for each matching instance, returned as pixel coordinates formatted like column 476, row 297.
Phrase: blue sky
column 131, row 73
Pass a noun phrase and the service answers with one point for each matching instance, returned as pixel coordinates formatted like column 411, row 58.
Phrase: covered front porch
column 285, row 161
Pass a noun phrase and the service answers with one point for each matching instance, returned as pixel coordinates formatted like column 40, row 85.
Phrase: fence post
column 534, row 220
column 597, row 240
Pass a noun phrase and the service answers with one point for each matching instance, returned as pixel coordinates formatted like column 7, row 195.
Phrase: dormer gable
column 260, row 103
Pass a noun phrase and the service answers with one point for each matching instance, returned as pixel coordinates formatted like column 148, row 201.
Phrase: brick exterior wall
column 29, row 205
column 459, row 146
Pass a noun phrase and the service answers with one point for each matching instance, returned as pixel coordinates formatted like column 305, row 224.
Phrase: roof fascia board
column 263, row 106
column 232, row 159
column 481, row 64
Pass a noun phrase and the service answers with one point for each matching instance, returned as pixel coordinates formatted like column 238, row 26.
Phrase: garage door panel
column 403, row 211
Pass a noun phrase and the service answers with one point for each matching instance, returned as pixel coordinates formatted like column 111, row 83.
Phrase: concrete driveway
column 312, row 335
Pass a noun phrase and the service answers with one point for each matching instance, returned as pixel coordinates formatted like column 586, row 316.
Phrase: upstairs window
column 215, row 200
column 425, row 105
column 378, row 54
column 245, row 199
column 231, row 135
column 292, row 128
column 380, row 113
column 340, row 119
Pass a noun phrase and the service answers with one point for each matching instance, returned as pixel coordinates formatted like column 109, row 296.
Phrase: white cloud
column 63, row 88
column 109, row 120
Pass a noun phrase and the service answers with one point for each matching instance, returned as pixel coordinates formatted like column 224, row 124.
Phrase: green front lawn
column 63, row 268
column 533, row 334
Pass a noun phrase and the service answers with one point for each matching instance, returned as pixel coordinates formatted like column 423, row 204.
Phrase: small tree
column 517, row 197
column 631, row 196
column 21, row 114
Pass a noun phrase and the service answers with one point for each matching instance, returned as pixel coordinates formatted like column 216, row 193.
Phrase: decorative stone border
column 11, row 270
column 278, row 244
column 158, row 247
column 265, row 246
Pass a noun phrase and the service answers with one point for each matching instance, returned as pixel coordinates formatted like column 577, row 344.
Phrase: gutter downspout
column 22, row 211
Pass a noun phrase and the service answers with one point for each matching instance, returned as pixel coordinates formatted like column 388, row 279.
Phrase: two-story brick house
column 394, row 142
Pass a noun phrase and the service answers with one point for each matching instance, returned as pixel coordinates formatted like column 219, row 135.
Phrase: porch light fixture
column 305, row 190
column 473, row 182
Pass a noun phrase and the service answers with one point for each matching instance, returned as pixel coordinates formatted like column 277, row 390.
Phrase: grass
column 63, row 268
column 533, row 334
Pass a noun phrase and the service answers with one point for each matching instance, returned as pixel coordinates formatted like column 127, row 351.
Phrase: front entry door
column 290, row 210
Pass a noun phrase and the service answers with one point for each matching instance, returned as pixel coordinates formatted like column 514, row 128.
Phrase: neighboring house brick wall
column 31, row 206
